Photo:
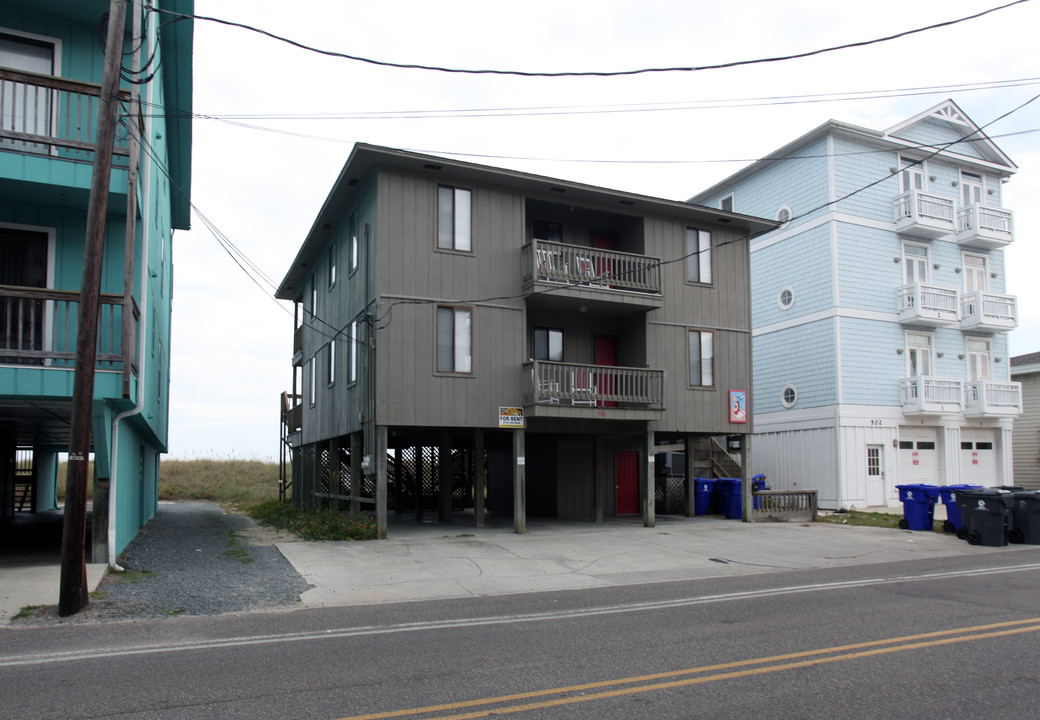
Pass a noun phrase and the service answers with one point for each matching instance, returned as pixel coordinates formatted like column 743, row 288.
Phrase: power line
column 616, row 73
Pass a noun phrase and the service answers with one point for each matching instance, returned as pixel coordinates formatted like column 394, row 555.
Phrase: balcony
column 985, row 226
column 48, row 116
column 925, row 215
column 931, row 395
column 38, row 328
column 988, row 312
column 591, row 273
column 926, row 304
column 989, row 399
column 560, row 389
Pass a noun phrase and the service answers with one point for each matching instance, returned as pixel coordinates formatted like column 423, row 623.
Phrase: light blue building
column 50, row 73
column 879, row 309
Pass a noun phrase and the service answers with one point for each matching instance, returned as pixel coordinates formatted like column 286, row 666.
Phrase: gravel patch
column 193, row 558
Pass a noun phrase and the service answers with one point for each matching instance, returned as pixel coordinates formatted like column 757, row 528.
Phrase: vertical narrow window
column 978, row 359
column 332, row 362
column 314, row 294
column 353, row 242
column 454, row 214
column 873, row 461
column 915, row 262
column 454, row 339
column 352, row 353
column 975, row 273
column 971, row 189
column 911, row 173
column 312, row 382
column 548, row 344
column 332, row 264
column 702, row 359
column 919, row 354
column 698, row 255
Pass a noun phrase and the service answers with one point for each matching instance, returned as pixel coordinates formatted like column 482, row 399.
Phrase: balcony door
column 605, row 347
column 25, row 108
column 975, row 276
column 971, row 189
column 911, row 174
column 919, row 354
column 915, row 262
column 978, row 359
column 23, row 264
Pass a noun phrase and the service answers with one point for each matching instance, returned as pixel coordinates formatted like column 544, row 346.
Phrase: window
column 966, row 446
column 971, row 188
column 548, row 344
column 332, row 362
column 915, row 262
column 26, row 108
column 454, row 339
column 453, row 219
column 353, row 227
column 906, row 445
column 313, row 375
column 701, row 359
column 314, row 294
column 332, row 264
column 698, row 256
column 783, row 215
column 983, row 446
column 978, row 359
column 911, row 174
column 786, row 298
column 919, row 354
column 352, row 345
column 726, row 203
column 545, row 230
column 789, row 396
column 874, row 461
column 974, row 273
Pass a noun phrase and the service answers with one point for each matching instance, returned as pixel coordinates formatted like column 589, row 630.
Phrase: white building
column 879, row 311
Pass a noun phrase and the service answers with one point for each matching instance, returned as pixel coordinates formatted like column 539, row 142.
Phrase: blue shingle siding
column 803, row 263
column 870, row 366
column 868, row 276
column 856, row 166
column 802, row 356
column 939, row 133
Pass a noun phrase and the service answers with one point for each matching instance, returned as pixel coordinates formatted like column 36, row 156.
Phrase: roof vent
column 352, row 182
column 431, row 166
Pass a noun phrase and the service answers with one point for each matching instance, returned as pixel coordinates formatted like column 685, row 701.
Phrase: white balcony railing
column 989, row 312
column 985, row 226
column 931, row 395
column 923, row 214
column 927, row 304
column 987, row 398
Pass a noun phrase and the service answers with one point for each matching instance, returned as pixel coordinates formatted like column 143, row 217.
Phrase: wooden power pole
column 73, row 589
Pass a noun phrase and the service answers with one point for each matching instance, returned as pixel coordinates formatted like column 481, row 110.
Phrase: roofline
column 364, row 159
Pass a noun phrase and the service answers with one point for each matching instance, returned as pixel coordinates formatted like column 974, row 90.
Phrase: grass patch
column 237, row 550
column 28, row 611
column 313, row 524
column 858, row 517
column 130, row 576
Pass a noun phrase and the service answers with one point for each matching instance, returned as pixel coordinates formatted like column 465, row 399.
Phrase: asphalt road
column 950, row 638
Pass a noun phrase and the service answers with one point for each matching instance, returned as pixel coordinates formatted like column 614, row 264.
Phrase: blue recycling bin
column 729, row 497
column 948, row 494
column 918, row 506
column 702, row 490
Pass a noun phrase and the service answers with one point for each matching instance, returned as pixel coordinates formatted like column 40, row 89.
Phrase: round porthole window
column 789, row 396
column 784, row 215
column 786, row 298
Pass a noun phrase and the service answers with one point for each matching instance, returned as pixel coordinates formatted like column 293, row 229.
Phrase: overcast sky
column 280, row 122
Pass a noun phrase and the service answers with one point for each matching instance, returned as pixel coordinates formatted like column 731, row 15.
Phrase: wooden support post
column 72, row 589
column 314, row 486
column 747, row 491
column 649, row 507
column 334, row 475
column 380, row 461
column 479, row 477
column 689, row 446
column 599, row 477
column 444, row 475
column 519, row 483
column 355, row 474
column 420, row 483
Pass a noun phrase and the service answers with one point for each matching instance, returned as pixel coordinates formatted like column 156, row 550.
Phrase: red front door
column 604, row 268
column 626, row 480
column 605, row 350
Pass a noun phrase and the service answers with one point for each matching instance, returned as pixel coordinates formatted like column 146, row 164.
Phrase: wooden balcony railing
column 785, row 506
column 38, row 327
column 46, row 115
column 579, row 265
column 557, row 383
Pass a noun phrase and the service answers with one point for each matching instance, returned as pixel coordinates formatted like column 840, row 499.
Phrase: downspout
column 131, row 227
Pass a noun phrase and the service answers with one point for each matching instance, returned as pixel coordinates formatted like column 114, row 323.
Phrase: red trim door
column 604, row 268
column 626, row 481
column 605, row 352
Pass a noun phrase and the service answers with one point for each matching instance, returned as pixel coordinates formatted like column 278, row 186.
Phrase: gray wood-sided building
column 434, row 298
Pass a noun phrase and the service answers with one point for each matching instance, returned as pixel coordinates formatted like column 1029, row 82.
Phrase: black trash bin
column 1025, row 518
column 985, row 513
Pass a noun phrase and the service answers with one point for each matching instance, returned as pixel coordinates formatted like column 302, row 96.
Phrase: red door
column 626, row 480
column 604, row 268
column 605, row 351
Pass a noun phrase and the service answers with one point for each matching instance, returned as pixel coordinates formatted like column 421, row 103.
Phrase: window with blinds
column 454, row 339
column 702, row 359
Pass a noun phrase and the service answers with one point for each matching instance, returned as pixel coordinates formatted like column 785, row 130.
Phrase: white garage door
column 918, row 456
column 978, row 457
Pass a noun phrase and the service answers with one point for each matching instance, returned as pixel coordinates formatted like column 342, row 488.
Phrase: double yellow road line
column 606, row 689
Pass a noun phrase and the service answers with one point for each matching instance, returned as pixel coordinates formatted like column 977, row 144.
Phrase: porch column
column 479, row 477
column 380, row 461
column 334, row 473
column 314, row 481
column 46, row 490
column 420, row 482
column 519, row 483
column 747, row 492
column 599, row 477
column 101, row 427
column 444, row 475
column 355, row 474
column 1005, row 466
column 649, row 519
column 950, row 456
column 689, row 447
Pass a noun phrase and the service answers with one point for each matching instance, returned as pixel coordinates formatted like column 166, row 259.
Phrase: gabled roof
column 1025, row 364
column 948, row 112
column 364, row 160
column 995, row 160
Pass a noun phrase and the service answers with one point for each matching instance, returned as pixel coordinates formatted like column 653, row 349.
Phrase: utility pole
column 73, row 588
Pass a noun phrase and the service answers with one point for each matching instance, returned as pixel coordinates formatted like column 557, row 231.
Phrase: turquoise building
column 51, row 64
